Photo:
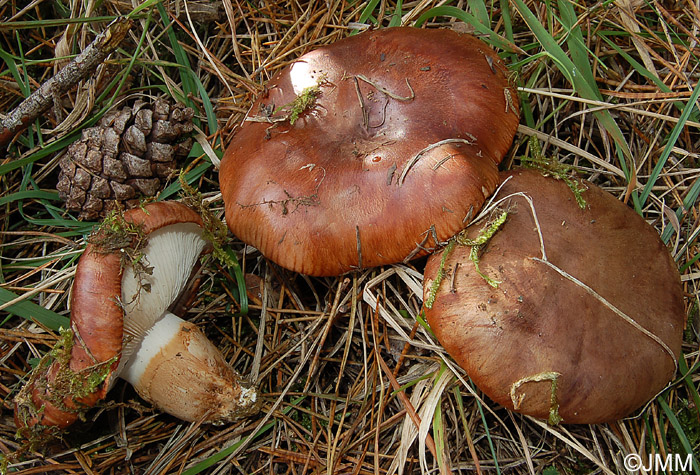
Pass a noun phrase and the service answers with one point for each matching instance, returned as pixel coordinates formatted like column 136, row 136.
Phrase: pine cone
column 130, row 154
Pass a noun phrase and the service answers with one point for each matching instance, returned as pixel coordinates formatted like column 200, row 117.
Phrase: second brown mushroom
column 562, row 312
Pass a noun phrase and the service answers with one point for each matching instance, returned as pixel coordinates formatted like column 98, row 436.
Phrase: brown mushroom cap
column 611, row 340
column 403, row 135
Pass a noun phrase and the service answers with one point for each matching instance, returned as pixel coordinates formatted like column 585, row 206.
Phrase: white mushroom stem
column 180, row 371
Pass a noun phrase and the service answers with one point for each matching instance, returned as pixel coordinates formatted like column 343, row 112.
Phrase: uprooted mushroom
column 562, row 312
column 131, row 272
column 370, row 150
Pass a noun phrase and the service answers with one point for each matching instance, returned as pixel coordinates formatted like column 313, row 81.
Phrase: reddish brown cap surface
column 97, row 323
column 613, row 339
column 405, row 134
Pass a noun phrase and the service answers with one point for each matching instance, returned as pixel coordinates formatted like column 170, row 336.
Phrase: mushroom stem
column 181, row 372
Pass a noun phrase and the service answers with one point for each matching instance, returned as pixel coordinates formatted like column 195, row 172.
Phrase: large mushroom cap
column 593, row 326
column 397, row 141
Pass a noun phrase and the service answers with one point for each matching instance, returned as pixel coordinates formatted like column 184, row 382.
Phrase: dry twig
column 82, row 65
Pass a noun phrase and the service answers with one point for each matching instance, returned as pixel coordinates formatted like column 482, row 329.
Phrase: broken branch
column 82, row 65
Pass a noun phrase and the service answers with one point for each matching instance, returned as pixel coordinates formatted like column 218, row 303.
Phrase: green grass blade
column 493, row 38
column 488, row 435
column 31, row 311
column 57, row 220
column 190, row 177
column 412, row 383
column 638, row 67
column 478, row 9
column 12, row 67
column 439, row 436
column 43, row 152
column 689, row 201
column 465, row 425
column 240, row 281
column 23, row 82
column 368, row 10
column 575, row 77
column 577, row 46
column 679, row 431
column 130, row 66
column 53, row 22
column 675, row 133
column 420, row 318
column 687, row 265
column 222, row 454
column 189, row 86
column 29, row 195
column 641, row 70
column 396, row 16
column 143, row 6
column 687, row 377
column 652, row 440
column 507, row 20
column 208, row 107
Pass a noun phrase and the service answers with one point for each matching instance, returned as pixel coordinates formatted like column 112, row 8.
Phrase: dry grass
column 328, row 353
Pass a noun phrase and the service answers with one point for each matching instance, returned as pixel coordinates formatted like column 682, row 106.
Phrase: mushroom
column 360, row 153
column 566, row 313
column 129, row 275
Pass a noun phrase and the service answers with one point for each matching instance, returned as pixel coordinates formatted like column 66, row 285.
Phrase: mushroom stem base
column 182, row 373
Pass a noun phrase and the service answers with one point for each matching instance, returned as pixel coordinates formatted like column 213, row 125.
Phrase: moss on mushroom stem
column 64, row 390
column 69, row 383
column 115, row 234
column 75, row 375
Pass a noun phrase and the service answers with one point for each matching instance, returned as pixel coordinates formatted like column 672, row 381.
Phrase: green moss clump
column 555, row 169
column 484, row 236
column 432, row 293
column 688, row 420
column 66, row 385
column 303, row 102
column 215, row 231
column 69, row 383
column 116, row 234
